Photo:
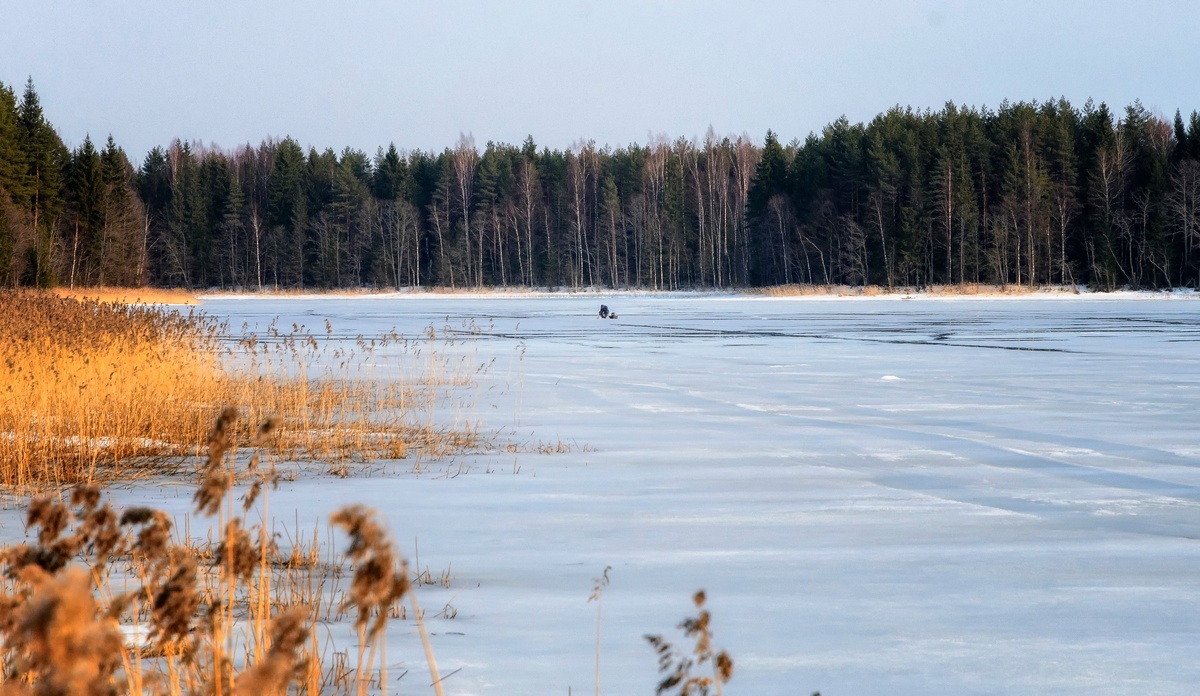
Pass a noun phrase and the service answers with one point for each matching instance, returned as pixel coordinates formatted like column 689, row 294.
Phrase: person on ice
column 603, row 311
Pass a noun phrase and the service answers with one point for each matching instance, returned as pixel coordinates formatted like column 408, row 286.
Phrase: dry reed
column 236, row 617
column 94, row 391
column 220, row 619
column 676, row 666
column 951, row 290
column 149, row 296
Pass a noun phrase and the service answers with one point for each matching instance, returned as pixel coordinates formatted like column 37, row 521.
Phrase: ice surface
column 925, row 497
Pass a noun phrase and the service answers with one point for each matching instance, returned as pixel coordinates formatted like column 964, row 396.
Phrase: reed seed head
column 380, row 579
column 136, row 515
column 50, row 516
column 282, row 663
column 724, row 666
column 101, row 533
column 70, row 650
column 237, row 551
column 155, row 537
column 266, row 429
column 211, row 491
column 86, row 497
column 175, row 603
column 221, row 437
column 252, row 494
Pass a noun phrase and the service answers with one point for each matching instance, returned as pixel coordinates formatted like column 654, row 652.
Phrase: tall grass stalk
column 93, row 391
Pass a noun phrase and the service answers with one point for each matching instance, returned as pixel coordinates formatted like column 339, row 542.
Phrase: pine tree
column 13, row 177
column 1193, row 149
column 215, row 186
column 7, row 243
column 86, row 192
column 287, row 212
column 12, row 181
column 1179, row 130
column 45, row 159
column 122, row 257
column 769, row 215
column 391, row 174
column 230, row 269
column 154, row 190
column 184, row 214
column 770, row 178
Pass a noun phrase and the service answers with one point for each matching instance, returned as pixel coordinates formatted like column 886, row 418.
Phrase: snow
column 937, row 496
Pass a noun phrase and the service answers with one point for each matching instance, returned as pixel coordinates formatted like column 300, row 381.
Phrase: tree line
column 1028, row 194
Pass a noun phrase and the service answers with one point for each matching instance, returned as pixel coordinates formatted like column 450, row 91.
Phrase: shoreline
column 820, row 293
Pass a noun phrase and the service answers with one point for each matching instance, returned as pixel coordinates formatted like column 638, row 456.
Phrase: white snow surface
column 879, row 497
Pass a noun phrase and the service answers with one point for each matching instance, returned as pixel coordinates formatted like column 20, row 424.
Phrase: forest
column 1028, row 193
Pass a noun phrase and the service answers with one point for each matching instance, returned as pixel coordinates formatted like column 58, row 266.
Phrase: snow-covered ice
column 951, row 496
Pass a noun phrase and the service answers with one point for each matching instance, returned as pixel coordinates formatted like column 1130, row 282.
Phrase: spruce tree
column 44, row 154
column 770, row 178
column 287, row 210
column 1179, row 130
column 391, row 173
column 13, row 177
column 122, row 258
column 1193, row 149
column 7, row 244
column 85, row 184
column 45, row 159
column 115, row 168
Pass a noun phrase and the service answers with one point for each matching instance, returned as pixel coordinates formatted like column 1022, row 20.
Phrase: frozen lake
column 936, row 496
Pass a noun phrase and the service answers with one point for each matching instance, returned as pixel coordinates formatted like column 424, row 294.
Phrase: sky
column 418, row 73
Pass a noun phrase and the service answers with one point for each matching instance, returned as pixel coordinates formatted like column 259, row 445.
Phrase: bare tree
column 878, row 212
column 745, row 162
column 1183, row 206
column 466, row 160
column 527, row 196
column 779, row 211
column 577, row 174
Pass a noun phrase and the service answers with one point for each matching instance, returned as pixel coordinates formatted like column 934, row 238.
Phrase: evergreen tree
column 12, row 181
column 13, row 176
column 1193, row 149
column 232, row 266
column 45, row 159
column 769, row 214
column 391, row 180
column 287, row 212
column 122, row 259
column 1031, row 193
column 1179, row 130
column 86, row 192
column 185, row 215
column 154, row 181
column 770, row 177
column 7, row 243
column 215, row 188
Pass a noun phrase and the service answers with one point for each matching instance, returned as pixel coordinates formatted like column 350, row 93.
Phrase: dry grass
column 969, row 289
column 107, row 601
column 232, row 617
column 956, row 290
column 236, row 615
column 373, row 291
column 796, row 290
column 93, row 391
column 676, row 666
column 157, row 296
column 89, row 386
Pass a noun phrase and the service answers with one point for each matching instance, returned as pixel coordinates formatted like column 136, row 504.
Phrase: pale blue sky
column 419, row 72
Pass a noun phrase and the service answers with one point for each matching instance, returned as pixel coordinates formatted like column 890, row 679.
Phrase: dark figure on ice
column 603, row 311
